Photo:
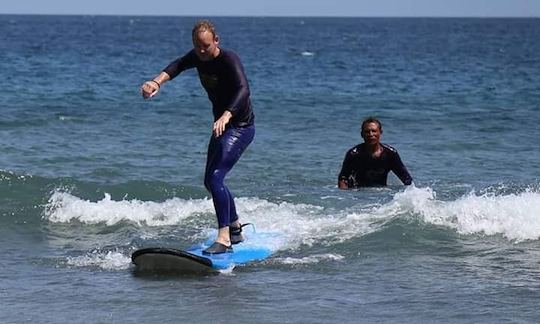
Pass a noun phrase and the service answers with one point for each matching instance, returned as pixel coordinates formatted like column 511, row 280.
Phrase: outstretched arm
column 151, row 87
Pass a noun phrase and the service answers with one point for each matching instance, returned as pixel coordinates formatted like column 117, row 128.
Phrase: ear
column 216, row 39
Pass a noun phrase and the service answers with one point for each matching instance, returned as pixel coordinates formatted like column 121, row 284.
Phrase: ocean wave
column 64, row 207
column 512, row 215
column 301, row 226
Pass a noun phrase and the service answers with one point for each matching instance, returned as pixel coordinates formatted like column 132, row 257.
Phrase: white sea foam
column 307, row 53
column 109, row 260
column 64, row 207
column 289, row 226
column 315, row 258
column 515, row 216
column 285, row 225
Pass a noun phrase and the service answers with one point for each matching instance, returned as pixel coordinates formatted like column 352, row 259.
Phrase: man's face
column 206, row 45
column 371, row 133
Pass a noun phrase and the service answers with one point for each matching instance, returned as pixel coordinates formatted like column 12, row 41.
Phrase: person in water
column 369, row 163
column 222, row 75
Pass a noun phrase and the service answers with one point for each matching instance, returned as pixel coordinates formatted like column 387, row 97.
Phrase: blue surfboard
column 162, row 259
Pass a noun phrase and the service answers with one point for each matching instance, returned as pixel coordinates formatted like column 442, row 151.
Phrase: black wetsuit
column 224, row 80
column 361, row 169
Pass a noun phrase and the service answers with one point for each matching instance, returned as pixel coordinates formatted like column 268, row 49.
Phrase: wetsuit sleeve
column 181, row 64
column 346, row 168
column 400, row 170
column 240, row 85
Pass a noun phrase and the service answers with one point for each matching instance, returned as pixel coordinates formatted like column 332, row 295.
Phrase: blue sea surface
column 91, row 172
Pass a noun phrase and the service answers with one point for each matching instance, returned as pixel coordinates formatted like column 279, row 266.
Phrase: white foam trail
column 307, row 53
column 515, row 216
column 105, row 260
column 304, row 224
column 315, row 258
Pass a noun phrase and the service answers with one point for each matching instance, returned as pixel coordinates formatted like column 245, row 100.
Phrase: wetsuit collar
column 219, row 54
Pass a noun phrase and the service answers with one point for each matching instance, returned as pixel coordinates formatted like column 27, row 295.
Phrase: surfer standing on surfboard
column 222, row 75
column 369, row 163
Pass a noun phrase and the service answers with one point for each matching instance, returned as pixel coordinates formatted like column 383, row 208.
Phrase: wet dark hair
column 202, row 26
column 371, row 120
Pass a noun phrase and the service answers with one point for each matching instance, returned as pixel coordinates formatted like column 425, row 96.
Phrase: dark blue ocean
column 90, row 172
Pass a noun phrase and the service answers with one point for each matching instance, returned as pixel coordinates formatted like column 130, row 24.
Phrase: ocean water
column 90, row 172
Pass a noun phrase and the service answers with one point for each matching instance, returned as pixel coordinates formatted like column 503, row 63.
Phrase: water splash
column 105, row 260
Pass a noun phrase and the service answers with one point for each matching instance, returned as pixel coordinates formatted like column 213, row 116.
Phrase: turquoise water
column 89, row 172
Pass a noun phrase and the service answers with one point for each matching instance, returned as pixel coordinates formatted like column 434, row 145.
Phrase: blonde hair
column 202, row 26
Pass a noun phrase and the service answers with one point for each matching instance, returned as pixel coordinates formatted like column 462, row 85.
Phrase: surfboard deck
column 163, row 259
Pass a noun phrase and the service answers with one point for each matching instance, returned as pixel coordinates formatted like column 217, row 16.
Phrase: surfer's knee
column 213, row 180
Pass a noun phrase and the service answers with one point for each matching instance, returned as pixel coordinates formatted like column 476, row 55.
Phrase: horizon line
column 269, row 16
